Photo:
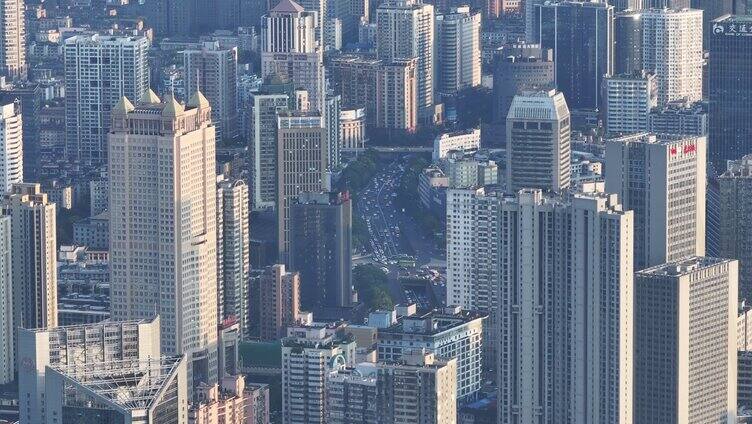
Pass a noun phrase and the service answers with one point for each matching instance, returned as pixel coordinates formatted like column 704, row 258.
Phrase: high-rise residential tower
column 34, row 268
column 320, row 239
column 538, row 136
column 270, row 99
column 457, row 50
column 11, row 146
column 276, row 302
column 581, row 35
column 397, row 95
column 99, row 71
column 301, row 166
column 662, row 179
column 7, row 329
column 627, row 102
column 729, row 64
column 163, row 236
column 234, row 242
column 672, row 50
column 28, row 268
column 565, row 290
column 214, row 71
column 13, row 39
column 407, row 30
column 685, row 342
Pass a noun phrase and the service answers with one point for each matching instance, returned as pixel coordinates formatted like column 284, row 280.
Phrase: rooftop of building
column 740, row 168
column 433, row 322
column 287, row 6
column 323, row 198
column 132, row 385
column 652, row 138
column 85, row 326
column 682, row 107
column 740, row 19
column 682, row 267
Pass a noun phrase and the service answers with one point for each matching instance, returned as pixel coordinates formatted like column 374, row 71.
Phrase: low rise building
column 93, row 232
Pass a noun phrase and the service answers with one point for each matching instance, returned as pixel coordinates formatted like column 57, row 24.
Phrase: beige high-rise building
column 458, row 50
column 538, row 142
column 13, row 39
column 662, row 179
column 406, row 29
column 302, row 153
column 163, row 237
column 276, row 294
column 672, row 50
column 397, row 95
column 418, row 389
column 34, row 267
column 685, row 342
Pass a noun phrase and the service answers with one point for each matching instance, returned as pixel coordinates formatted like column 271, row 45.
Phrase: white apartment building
column 78, row 345
column 163, row 236
column 11, row 145
column 685, row 342
column 662, row 179
column 234, row 250
column 672, row 51
column 462, row 141
column 628, row 100
column 7, row 329
column 99, row 70
column 458, row 64
column 538, row 142
column 13, row 44
column 406, row 29
column 451, row 333
column 417, row 389
column 263, row 147
column 565, row 269
column 309, row 355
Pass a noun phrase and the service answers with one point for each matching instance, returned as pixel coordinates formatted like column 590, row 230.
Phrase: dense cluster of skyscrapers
column 595, row 218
